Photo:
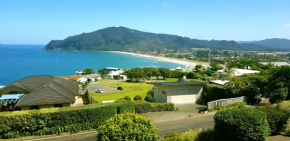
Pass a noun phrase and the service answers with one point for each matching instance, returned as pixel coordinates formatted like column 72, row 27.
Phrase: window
column 57, row 105
column 34, row 107
column 186, row 91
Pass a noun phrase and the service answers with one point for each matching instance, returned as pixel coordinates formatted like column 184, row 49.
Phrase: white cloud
column 287, row 25
column 165, row 5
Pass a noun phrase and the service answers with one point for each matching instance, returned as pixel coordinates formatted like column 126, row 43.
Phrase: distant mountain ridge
column 125, row 39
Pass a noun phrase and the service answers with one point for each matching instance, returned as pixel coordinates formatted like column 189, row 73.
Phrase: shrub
column 206, row 135
column 137, row 97
column 279, row 95
column 128, row 126
column 124, row 106
column 277, row 118
column 177, row 136
column 241, row 124
column 127, row 98
column 145, row 107
column 54, row 120
column 233, row 105
column 149, row 98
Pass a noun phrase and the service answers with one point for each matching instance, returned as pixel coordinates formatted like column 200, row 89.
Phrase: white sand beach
column 186, row 63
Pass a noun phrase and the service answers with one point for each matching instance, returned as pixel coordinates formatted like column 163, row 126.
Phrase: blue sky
column 39, row 21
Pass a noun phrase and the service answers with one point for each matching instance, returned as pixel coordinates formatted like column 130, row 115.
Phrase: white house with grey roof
column 180, row 92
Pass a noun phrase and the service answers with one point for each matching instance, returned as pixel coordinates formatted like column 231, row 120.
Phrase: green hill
column 125, row 39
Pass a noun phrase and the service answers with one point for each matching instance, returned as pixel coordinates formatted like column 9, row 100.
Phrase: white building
column 239, row 72
column 180, row 92
column 113, row 72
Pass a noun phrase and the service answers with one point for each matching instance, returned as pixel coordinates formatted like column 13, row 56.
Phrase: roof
column 179, row 83
column 220, row 82
column 72, row 77
column 239, row 72
column 43, row 90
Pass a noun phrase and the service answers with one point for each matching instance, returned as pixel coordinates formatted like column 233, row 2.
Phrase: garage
column 181, row 92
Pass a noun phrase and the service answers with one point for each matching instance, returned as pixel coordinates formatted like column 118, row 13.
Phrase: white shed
column 180, row 92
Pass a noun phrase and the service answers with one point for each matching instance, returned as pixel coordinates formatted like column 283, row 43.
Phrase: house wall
column 158, row 95
column 177, row 93
column 44, row 106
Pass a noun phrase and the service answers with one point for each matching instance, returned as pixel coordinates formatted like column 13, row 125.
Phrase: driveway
column 180, row 121
column 94, row 86
column 184, row 111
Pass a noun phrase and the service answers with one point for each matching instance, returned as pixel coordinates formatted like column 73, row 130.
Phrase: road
column 94, row 86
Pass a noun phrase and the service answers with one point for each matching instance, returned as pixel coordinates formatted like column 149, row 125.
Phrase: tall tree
column 164, row 72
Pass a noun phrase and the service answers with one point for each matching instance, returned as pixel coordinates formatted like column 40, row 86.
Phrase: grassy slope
column 130, row 89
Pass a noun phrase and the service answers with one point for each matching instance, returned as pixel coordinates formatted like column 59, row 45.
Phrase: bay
column 19, row 61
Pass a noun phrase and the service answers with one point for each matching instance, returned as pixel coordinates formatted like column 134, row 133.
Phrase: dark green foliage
column 88, row 71
column 177, row 136
column 149, row 98
column 127, row 98
column 241, row 124
column 278, row 95
column 135, row 73
column 137, row 97
column 206, row 135
column 125, row 106
column 102, row 72
column 125, row 39
column 54, row 120
column 277, row 118
column 164, row 72
column 213, row 92
column 145, row 107
column 176, row 74
column 129, row 127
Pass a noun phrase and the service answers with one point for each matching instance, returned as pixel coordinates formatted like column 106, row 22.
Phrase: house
column 114, row 72
column 92, row 77
column 237, row 72
column 43, row 91
column 180, row 92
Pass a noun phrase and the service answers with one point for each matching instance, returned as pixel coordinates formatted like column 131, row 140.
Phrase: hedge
column 213, row 92
column 124, row 106
column 241, row 124
column 276, row 117
column 145, row 107
column 54, row 120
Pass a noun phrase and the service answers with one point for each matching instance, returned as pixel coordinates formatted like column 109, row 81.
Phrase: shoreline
column 186, row 63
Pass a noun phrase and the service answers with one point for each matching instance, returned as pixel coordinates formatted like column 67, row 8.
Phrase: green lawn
column 130, row 89
column 103, row 80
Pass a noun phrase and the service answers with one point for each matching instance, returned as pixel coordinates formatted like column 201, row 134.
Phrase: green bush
column 137, row 97
column 145, row 107
column 124, row 106
column 278, row 95
column 127, row 98
column 233, row 105
column 54, row 120
column 206, row 135
column 277, row 118
column 241, row 124
column 149, row 98
column 128, row 126
column 177, row 136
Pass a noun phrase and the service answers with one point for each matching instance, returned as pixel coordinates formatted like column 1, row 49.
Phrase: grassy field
column 130, row 89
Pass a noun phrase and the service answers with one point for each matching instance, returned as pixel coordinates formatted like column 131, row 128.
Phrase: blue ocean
column 18, row 61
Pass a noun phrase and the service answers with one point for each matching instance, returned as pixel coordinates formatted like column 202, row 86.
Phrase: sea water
column 19, row 61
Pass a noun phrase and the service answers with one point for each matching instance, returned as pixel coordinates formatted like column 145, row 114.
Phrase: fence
column 223, row 102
